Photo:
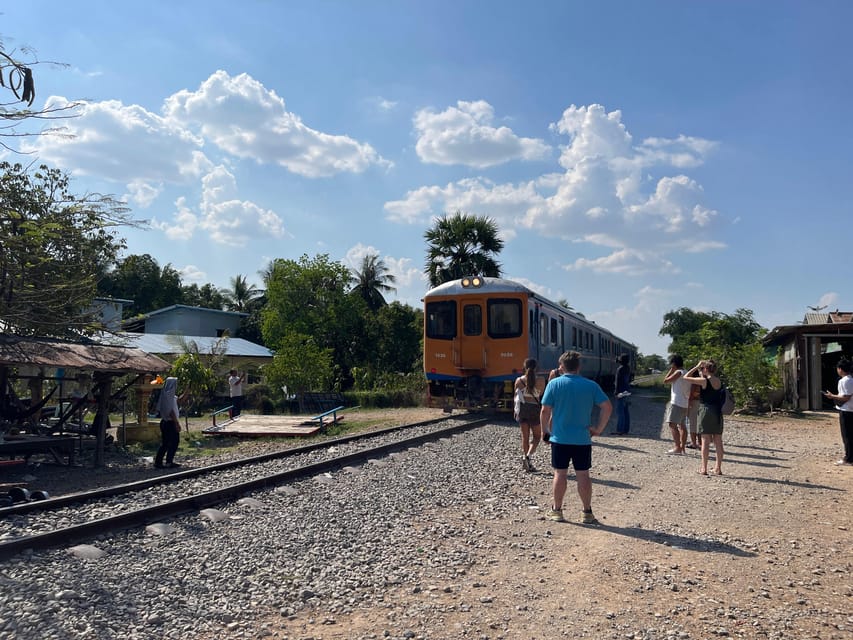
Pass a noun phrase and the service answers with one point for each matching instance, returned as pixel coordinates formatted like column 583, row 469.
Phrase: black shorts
column 580, row 455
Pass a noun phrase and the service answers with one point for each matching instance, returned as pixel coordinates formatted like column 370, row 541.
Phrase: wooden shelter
column 808, row 353
column 41, row 359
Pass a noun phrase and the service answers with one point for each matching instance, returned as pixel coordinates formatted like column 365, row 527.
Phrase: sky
column 637, row 157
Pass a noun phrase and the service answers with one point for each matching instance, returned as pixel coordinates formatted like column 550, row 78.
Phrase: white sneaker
column 843, row 462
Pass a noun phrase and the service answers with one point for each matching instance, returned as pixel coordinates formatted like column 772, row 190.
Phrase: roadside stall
column 61, row 380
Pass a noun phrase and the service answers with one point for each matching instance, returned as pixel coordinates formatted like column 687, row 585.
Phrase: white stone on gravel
column 160, row 529
column 87, row 552
column 214, row 515
column 251, row 503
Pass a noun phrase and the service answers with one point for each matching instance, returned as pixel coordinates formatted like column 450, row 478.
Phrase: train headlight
column 475, row 282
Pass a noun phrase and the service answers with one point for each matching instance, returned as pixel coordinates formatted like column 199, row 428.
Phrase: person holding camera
column 844, row 403
column 710, row 413
column 235, row 389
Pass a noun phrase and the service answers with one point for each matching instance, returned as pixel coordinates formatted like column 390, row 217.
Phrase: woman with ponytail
column 527, row 415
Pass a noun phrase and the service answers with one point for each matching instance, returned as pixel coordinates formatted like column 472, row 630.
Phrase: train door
column 472, row 348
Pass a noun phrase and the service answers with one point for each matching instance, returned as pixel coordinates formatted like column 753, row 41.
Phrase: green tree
column 206, row 296
column 400, row 335
column 300, row 365
column 371, row 280
column 54, row 246
column 241, row 295
column 197, row 372
column 649, row 363
column 732, row 341
column 461, row 245
column 140, row 278
column 309, row 297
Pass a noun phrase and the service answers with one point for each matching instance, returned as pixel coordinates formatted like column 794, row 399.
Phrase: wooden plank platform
column 253, row 426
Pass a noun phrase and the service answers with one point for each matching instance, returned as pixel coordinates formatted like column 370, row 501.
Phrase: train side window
column 554, row 331
column 574, row 337
column 472, row 320
column 504, row 317
column 543, row 329
column 441, row 320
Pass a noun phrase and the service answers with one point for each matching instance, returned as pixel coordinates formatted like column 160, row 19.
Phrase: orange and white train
column 478, row 331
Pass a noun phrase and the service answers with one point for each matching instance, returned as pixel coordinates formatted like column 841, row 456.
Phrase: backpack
column 727, row 401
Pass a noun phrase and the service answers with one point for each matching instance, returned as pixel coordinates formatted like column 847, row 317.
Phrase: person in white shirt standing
column 235, row 386
column 679, row 400
column 844, row 403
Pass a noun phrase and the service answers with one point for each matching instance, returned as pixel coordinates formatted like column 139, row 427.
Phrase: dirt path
column 762, row 552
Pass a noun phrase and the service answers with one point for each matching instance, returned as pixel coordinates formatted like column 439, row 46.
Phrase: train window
column 553, row 330
column 441, row 320
column 472, row 320
column 504, row 317
column 574, row 336
column 543, row 329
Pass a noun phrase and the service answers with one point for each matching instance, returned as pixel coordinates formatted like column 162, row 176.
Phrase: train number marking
column 507, row 354
column 440, row 355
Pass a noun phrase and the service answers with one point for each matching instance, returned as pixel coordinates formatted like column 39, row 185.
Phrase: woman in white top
column 679, row 400
column 527, row 414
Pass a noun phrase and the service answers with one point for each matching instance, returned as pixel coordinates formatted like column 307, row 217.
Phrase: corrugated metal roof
column 157, row 312
column 816, row 318
column 167, row 344
column 15, row 351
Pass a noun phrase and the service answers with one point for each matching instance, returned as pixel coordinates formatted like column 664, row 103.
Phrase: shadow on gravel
column 789, row 483
column 672, row 540
column 751, row 456
column 750, row 446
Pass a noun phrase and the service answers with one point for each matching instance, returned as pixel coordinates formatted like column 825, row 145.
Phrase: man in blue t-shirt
column 567, row 415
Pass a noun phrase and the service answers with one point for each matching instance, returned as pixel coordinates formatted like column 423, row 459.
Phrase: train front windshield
column 441, row 320
column 504, row 318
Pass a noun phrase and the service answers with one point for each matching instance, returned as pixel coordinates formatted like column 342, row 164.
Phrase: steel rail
column 110, row 524
column 115, row 490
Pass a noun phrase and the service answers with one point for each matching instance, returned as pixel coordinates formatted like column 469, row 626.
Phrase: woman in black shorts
column 710, row 416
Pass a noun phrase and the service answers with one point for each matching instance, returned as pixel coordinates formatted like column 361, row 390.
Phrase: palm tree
column 371, row 280
column 462, row 245
column 241, row 294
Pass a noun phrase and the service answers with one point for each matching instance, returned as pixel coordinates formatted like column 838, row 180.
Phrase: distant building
column 189, row 321
column 164, row 332
column 808, row 353
column 110, row 311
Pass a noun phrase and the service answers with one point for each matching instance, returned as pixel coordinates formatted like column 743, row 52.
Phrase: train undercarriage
column 472, row 393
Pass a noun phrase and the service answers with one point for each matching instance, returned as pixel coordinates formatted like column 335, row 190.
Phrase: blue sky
column 637, row 156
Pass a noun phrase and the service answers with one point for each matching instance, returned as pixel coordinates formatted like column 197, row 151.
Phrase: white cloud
column 464, row 134
column 385, row 105
column 405, row 275
column 192, row 273
column 829, row 300
column 247, row 120
column 606, row 195
column 142, row 194
column 120, row 143
column 227, row 219
column 479, row 196
column 625, row 261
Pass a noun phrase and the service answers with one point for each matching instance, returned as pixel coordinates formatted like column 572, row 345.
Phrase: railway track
column 82, row 516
